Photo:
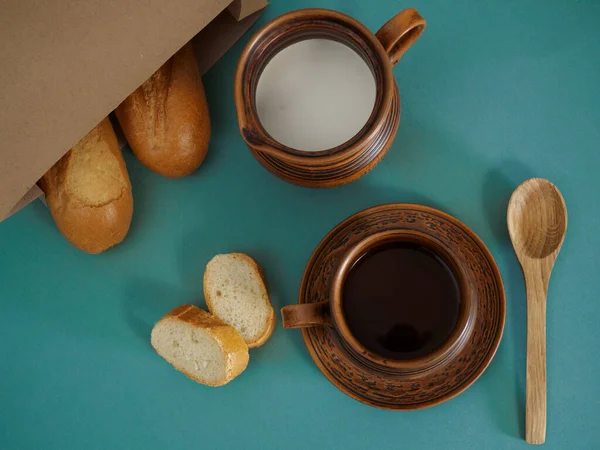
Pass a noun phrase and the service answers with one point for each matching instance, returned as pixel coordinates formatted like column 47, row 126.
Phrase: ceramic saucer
column 383, row 387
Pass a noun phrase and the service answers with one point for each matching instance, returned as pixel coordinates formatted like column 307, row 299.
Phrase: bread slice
column 235, row 292
column 88, row 192
column 204, row 348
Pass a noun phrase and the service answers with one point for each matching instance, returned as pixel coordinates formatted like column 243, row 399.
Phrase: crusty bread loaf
column 235, row 292
column 204, row 348
column 166, row 119
column 89, row 193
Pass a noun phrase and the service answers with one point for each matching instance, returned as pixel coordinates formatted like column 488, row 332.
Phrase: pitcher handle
column 399, row 33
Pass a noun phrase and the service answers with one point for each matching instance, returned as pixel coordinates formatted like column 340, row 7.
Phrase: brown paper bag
column 66, row 64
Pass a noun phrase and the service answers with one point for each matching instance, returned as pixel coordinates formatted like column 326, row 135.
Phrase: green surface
column 493, row 93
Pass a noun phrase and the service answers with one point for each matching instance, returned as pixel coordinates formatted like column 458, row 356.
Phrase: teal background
column 493, row 93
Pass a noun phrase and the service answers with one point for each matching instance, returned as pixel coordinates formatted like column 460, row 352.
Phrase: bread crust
column 91, row 227
column 166, row 120
column 272, row 318
column 227, row 338
column 268, row 331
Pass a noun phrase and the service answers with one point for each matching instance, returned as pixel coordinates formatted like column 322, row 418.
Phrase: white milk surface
column 315, row 95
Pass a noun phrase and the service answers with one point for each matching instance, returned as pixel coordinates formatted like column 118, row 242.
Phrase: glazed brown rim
column 461, row 329
column 301, row 25
column 495, row 341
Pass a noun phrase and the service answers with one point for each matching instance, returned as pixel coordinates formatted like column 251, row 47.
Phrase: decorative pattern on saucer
column 387, row 388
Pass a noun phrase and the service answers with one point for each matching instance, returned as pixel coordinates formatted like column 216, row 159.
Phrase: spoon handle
column 535, row 429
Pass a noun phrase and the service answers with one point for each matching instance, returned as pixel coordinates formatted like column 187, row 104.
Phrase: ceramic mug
column 380, row 51
column 330, row 312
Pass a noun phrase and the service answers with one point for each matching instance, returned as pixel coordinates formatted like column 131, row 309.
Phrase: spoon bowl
column 537, row 219
column 537, row 224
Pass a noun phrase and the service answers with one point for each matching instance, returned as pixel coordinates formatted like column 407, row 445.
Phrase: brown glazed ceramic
column 380, row 52
column 383, row 382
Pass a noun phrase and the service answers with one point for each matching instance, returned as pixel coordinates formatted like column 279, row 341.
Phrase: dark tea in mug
column 401, row 300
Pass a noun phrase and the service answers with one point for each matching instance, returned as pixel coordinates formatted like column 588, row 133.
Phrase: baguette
column 166, row 119
column 235, row 292
column 201, row 346
column 88, row 192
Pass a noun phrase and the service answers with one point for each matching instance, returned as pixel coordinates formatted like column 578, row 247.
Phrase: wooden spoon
column 537, row 223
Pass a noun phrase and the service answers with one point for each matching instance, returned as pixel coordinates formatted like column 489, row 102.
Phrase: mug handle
column 399, row 33
column 305, row 315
